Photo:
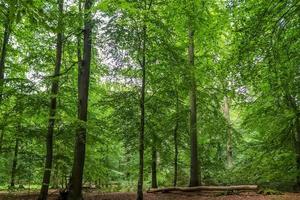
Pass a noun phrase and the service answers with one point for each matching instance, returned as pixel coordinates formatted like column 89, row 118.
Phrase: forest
column 150, row 99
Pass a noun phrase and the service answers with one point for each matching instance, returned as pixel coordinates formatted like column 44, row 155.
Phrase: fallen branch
column 207, row 188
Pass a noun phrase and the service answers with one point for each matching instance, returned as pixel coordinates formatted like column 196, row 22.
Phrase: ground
column 159, row 196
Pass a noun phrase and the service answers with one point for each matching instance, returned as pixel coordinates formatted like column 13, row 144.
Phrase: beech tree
column 53, row 104
column 148, row 94
column 83, row 92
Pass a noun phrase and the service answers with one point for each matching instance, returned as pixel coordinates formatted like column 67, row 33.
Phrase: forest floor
column 158, row 196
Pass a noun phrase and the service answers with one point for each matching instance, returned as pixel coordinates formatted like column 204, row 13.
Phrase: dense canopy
column 126, row 95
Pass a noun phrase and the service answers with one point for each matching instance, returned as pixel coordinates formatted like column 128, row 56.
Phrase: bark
column 293, row 105
column 53, row 105
column 176, row 143
column 75, row 192
column 297, row 149
column 229, row 131
column 5, row 41
column 1, row 138
column 153, row 167
column 142, row 108
column 127, row 156
column 194, row 173
column 79, row 46
column 14, row 164
column 207, row 188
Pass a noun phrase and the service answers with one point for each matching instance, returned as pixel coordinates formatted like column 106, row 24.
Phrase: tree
column 84, row 77
column 160, row 96
column 176, row 141
column 267, row 75
column 226, row 110
column 5, row 40
column 53, row 105
column 194, row 173
column 15, row 160
column 154, row 166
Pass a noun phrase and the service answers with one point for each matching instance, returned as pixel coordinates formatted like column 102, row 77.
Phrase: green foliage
column 246, row 51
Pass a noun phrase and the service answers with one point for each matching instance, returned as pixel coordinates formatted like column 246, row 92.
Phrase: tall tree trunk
column 53, row 105
column 14, row 164
column 2, row 68
column 127, row 157
column 142, row 108
column 297, row 149
column 3, row 54
column 194, row 172
column 293, row 105
column 153, row 167
column 1, row 138
column 79, row 153
column 79, row 46
column 226, row 110
column 176, row 143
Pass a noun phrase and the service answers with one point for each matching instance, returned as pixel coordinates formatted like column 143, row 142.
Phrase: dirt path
column 165, row 196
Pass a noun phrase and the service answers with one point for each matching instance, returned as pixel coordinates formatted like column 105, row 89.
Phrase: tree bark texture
column 154, row 167
column 14, row 164
column 176, row 143
column 229, row 132
column 53, row 105
column 194, row 166
column 5, row 41
column 142, row 117
column 75, row 192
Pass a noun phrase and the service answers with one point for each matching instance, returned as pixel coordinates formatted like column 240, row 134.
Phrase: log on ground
column 207, row 188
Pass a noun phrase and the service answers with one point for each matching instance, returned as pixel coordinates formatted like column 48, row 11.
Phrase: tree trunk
column 293, row 105
column 14, row 164
column 53, row 104
column 142, row 128
column 176, row 143
column 128, row 170
column 194, row 174
column 79, row 46
column 3, row 55
column 75, row 192
column 229, row 131
column 1, row 138
column 297, row 148
column 2, row 69
column 153, row 167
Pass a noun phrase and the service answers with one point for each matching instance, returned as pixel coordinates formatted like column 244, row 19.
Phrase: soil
column 159, row 196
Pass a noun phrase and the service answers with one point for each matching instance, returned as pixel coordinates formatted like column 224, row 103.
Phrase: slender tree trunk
column 3, row 55
column 153, row 167
column 79, row 155
column 297, row 149
column 79, row 54
column 194, row 172
column 1, row 138
column 2, row 68
column 229, row 131
column 142, row 108
column 293, row 105
column 14, row 164
column 176, row 143
column 127, row 156
column 53, row 105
